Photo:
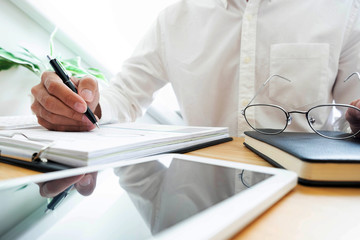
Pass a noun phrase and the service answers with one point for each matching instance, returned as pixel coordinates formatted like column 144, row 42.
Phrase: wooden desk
column 9, row 171
column 304, row 213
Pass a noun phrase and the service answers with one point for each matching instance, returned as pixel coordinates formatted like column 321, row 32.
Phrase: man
column 216, row 54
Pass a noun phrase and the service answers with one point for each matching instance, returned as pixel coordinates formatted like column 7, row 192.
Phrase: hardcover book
column 317, row 160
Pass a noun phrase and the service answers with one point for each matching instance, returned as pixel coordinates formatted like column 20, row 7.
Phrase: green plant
column 27, row 59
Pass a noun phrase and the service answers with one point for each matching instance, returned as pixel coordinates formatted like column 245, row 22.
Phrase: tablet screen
column 170, row 191
column 139, row 201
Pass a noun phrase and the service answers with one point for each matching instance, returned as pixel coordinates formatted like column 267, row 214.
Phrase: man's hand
column 84, row 184
column 58, row 108
column 353, row 117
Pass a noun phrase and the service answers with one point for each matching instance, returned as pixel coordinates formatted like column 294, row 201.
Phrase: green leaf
column 27, row 59
column 76, row 72
column 51, row 42
column 5, row 64
column 76, row 62
column 19, row 59
column 30, row 54
column 34, row 57
column 21, row 188
column 73, row 66
column 97, row 73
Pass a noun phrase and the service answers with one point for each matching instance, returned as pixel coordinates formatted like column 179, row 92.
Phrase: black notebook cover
column 310, row 148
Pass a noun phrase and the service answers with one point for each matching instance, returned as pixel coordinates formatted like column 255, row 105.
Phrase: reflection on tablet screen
column 167, row 192
column 138, row 201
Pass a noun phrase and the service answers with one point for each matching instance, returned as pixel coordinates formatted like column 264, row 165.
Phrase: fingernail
column 87, row 95
column 79, row 107
column 85, row 181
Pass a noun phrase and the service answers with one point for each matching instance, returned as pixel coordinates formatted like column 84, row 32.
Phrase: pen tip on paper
column 97, row 125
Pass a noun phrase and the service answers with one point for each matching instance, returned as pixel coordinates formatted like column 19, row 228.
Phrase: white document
column 17, row 122
column 109, row 143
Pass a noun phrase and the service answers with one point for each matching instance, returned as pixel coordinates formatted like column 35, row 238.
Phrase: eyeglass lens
column 336, row 126
column 269, row 119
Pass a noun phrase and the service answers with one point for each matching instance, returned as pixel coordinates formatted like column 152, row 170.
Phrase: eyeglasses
column 273, row 119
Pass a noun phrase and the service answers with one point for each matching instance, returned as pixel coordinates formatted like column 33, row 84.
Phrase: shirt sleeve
column 349, row 61
column 131, row 91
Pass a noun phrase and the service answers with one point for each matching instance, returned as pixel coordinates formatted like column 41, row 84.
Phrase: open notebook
column 111, row 142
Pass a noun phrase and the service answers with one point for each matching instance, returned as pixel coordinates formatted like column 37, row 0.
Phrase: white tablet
column 170, row 196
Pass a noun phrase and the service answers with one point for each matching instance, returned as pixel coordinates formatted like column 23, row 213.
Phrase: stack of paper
column 16, row 122
column 109, row 143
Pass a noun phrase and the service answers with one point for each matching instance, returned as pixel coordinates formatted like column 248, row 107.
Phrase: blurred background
column 103, row 33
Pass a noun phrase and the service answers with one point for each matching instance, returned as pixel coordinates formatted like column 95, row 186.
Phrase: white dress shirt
column 217, row 53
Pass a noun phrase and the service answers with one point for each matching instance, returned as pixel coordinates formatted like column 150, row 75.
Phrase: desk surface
column 304, row 213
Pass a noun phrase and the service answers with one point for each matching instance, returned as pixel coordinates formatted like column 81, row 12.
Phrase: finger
column 353, row 115
column 48, row 106
column 53, row 188
column 87, row 88
column 54, row 118
column 356, row 103
column 87, row 184
column 52, row 103
column 60, row 123
column 57, row 89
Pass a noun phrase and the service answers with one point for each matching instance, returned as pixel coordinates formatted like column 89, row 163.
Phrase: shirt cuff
column 106, row 112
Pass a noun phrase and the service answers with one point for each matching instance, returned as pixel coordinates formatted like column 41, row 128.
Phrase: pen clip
column 57, row 64
column 62, row 68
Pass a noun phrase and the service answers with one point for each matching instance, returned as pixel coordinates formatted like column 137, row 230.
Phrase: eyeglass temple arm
column 264, row 84
column 354, row 73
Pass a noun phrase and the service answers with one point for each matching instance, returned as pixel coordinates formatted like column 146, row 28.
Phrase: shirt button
column 247, row 59
column 249, row 17
column 244, row 102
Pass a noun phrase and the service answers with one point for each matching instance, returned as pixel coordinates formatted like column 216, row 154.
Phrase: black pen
column 59, row 70
column 57, row 199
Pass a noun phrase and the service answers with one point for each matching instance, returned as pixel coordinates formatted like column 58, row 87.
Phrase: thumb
column 88, row 88
column 356, row 103
column 87, row 184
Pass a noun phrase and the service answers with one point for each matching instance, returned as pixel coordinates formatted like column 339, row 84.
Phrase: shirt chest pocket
column 306, row 65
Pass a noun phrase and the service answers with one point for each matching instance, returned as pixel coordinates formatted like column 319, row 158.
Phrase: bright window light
column 107, row 30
